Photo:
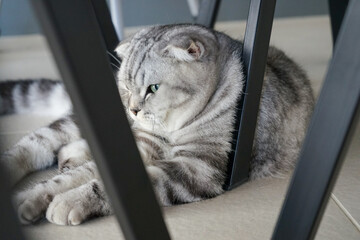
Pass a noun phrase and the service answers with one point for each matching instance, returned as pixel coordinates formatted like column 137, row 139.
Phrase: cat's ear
column 122, row 49
column 194, row 50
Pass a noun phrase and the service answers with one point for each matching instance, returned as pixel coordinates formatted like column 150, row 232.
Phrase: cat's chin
column 145, row 125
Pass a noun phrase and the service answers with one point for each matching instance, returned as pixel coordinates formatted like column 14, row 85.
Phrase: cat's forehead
column 137, row 68
column 144, row 41
column 145, row 37
column 154, row 32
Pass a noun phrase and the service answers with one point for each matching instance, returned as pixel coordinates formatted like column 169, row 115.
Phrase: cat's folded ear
column 122, row 49
column 190, row 51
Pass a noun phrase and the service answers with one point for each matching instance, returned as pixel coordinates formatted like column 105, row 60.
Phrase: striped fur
column 34, row 96
column 183, row 128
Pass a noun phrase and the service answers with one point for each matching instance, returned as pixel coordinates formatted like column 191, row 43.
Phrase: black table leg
column 106, row 25
column 328, row 136
column 208, row 12
column 337, row 10
column 72, row 31
column 108, row 32
column 256, row 44
column 9, row 224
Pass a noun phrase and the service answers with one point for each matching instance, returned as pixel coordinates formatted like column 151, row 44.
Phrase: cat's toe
column 19, row 198
column 64, row 212
column 76, row 216
column 33, row 209
column 28, row 213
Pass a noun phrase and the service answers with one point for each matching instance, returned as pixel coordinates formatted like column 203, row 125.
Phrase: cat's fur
column 183, row 130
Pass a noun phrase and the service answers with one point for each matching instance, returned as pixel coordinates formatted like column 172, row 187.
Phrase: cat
column 179, row 85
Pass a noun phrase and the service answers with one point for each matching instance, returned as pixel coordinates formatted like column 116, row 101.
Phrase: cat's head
column 168, row 74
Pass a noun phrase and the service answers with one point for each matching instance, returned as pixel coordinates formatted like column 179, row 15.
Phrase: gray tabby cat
column 179, row 85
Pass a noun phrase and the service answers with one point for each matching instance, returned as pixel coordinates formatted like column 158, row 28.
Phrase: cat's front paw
column 73, row 155
column 32, row 208
column 67, row 209
column 77, row 205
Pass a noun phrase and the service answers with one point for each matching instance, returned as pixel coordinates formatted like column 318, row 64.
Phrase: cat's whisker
column 115, row 66
column 115, row 58
column 152, row 117
column 162, row 124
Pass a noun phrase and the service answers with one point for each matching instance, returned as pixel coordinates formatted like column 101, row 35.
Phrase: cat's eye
column 154, row 87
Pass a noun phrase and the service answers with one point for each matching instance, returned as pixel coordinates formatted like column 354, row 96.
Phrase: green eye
column 154, row 87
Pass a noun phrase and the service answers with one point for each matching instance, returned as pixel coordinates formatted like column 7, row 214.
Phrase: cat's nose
column 135, row 110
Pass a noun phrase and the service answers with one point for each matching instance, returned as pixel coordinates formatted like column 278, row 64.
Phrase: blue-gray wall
column 16, row 16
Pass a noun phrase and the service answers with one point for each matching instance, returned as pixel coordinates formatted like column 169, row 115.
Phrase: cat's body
column 179, row 85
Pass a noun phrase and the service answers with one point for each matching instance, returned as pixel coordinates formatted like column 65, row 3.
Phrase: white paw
column 66, row 209
column 31, row 208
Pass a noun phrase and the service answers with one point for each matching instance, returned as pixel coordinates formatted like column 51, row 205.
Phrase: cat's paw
column 67, row 209
column 73, row 155
column 31, row 207
column 77, row 205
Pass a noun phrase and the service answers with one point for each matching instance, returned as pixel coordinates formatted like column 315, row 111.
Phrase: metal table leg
column 72, row 29
column 208, row 12
column 328, row 136
column 337, row 10
column 106, row 25
column 256, row 44
column 9, row 225
column 108, row 32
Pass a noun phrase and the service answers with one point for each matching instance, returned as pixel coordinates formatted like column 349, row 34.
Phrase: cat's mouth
column 146, row 120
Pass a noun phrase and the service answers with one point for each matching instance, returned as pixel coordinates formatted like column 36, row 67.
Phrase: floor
column 247, row 212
